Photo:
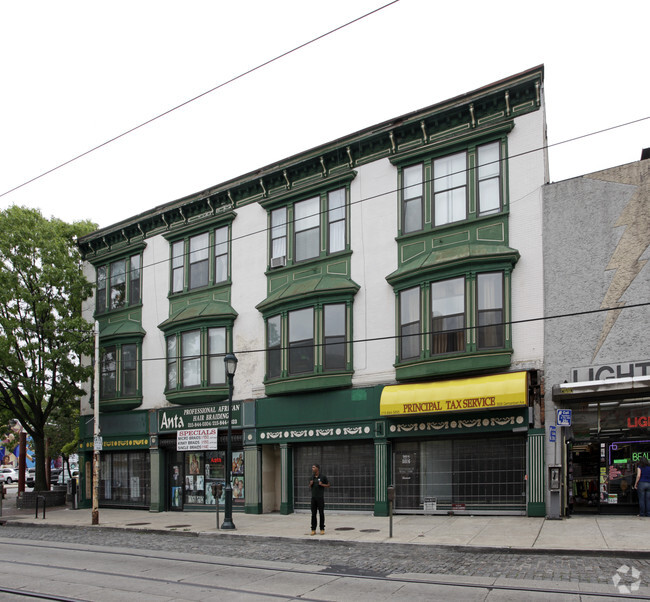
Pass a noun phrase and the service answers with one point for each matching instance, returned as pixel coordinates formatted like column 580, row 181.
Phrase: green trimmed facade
column 390, row 256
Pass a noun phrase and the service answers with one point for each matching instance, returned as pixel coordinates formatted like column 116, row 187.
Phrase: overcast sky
column 76, row 74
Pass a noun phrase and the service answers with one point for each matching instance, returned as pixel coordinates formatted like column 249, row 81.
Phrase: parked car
column 54, row 475
column 64, row 477
column 8, row 475
column 30, row 477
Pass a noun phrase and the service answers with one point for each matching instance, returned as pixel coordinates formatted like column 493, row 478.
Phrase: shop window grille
column 350, row 469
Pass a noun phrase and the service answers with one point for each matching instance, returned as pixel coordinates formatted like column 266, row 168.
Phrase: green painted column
column 156, row 465
column 286, row 478
column 85, row 475
column 536, row 473
column 382, row 476
column 253, row 479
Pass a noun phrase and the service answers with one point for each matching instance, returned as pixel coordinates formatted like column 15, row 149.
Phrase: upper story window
column 200, row 260
column 195, row 358
column 458, row 322
column 119, row 283
column 314, row 226
column 119, row 371
column 315, row 341
column 446, row 190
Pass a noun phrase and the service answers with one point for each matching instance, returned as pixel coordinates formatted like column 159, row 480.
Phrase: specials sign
column 197, row 439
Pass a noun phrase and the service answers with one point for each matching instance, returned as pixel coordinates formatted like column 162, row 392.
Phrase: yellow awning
column 481, row 393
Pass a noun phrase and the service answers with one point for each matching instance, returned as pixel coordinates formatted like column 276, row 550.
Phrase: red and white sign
column 197, row 439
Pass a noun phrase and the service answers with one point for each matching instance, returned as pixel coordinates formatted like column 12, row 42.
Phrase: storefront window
column 608, row 439
column 125, row 479
column 195, row 475
column 461, row 475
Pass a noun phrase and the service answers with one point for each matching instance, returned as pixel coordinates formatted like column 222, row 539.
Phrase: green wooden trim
column 120, row 404
column 158, row 500
column 198, row 311
column 439, row 366
column 198, row 225
column 197, row 395
column 311, row 186
column 450, row 142
column 124, row 250
column 470, row 423
column 454, row 261
column 310, row 382
column 442, row 122
column 253, row 479
column 286, row 479
column 126, row 322
column 297, row 294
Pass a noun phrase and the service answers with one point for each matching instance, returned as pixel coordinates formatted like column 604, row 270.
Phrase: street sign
column 552, row 432
column 98, row 443
column 563, row 418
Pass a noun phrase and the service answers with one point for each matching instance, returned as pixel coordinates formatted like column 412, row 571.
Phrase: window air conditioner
column 278, row 262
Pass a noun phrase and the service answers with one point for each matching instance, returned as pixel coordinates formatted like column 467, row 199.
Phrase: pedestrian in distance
column 317, row 484
column 642, row 486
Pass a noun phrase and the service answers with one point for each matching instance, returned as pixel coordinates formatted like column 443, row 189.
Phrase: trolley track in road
column 334, row 572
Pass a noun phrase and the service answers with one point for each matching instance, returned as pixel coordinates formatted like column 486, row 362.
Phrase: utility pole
column 96, row 440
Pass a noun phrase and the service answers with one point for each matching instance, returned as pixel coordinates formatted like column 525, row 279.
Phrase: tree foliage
column 42, row 332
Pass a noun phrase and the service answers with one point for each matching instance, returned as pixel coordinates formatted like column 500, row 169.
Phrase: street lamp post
column 231, row 366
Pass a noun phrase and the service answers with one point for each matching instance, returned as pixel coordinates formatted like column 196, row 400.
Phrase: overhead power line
column 574, row 314
column 425, row 181
column 197, row 97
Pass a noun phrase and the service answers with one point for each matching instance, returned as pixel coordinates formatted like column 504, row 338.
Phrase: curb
column 608, row 553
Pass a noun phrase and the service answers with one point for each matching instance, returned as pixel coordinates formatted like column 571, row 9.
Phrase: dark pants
column 643, row 490
column 318, row 505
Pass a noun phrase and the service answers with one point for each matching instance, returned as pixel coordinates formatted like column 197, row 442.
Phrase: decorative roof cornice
column 497, row 102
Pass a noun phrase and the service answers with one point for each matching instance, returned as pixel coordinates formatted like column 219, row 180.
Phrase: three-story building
column 377, row 291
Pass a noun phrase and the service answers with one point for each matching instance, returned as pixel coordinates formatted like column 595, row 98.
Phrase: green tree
column 42, row 332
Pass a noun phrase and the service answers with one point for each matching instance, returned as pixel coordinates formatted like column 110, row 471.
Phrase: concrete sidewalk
column 579, row 534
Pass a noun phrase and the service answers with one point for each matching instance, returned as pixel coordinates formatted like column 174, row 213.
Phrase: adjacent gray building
column 597, row 344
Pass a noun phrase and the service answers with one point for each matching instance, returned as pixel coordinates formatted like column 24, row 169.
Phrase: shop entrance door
column 585, row 469
column 602, row 475
column 407, row 479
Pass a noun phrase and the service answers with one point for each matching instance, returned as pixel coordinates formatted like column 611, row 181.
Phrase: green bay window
column 195, row 361
column 441, row 190
column 119, row 284
column 301, row 341
column 308, row 341
column 200, row 260
column 334, row 337
column 308, row 228
column 489, row 178
column 450, row 189
column 459, row 323
column 448, row 316
column 119, row 376
column 409, row 302
column 413, row 199
column 490, row 310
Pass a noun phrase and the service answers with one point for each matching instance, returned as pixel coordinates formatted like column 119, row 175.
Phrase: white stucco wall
column 527, row 175
column 373, row 217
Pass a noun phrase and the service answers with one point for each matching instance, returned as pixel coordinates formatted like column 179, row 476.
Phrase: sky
column 76, row 74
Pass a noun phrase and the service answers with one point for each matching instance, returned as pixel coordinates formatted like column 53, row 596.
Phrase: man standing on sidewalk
column 317, row 485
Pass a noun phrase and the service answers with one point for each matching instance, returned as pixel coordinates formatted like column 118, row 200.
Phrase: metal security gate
column 350, row 469
column 461, row 475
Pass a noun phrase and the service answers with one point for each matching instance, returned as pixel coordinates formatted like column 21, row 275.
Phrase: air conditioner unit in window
column 278, row 262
